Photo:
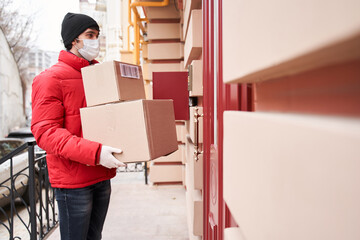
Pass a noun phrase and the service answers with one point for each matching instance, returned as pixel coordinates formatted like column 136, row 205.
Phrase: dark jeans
column 82, row 211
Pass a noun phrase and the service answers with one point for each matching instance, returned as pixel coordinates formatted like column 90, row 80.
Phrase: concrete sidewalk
column 138, row 211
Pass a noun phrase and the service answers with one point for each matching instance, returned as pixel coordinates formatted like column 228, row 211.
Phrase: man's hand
column 107, row 159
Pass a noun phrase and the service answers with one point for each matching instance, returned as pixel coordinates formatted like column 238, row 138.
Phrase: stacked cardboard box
column 117, row 114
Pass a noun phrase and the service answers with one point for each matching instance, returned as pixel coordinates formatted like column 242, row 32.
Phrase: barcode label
column 129, row 71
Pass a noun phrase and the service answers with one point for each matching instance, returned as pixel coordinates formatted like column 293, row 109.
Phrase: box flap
column 160, row 124
column 99, row 83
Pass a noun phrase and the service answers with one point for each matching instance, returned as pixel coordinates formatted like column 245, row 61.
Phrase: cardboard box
column 177, row 156
column 193, row 41
column 173, row 85
column 143, row 129
column 196, row 81
column 157, row 31
column 302, row 172
column 149, row 68
column 111, row 82
column 165, row 173
column 163, row 51
column 192, row 123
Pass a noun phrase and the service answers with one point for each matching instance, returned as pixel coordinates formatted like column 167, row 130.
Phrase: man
column 79, row 170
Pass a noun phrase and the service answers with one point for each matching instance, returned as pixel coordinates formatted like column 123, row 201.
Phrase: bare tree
column 17, row 29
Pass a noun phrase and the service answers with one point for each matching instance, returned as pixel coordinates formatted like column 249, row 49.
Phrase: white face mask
column 90, row 50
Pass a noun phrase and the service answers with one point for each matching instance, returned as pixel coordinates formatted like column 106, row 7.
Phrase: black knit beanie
column 74, row 24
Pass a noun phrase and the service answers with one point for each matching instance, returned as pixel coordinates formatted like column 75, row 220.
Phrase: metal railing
column 135, row 167
column 29, row 211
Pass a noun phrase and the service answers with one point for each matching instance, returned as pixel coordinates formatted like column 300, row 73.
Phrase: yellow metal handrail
column 137, row 24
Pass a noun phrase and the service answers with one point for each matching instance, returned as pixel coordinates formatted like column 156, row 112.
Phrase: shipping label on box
column 111, row 82
column 143, row 129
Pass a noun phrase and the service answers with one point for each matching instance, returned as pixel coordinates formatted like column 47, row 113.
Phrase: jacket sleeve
column 47, row 124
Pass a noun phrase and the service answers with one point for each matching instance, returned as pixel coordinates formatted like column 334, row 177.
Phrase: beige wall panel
column 184, row 175
column 180, row 131
column 292, row 177
column 193, row 41
column 197, row 78
column 163, row 31
column 198, row 218
column 148, row 90
column 192, row 124
column 163, row 51
column 177, row 156
column 165, row 173
column 233, row 233
column 190, row 195
column 195, row 167
column 167, row 12
column 127, row 57
column 280, row 37
column 149, row 68
column 189, row 5
column 144, row 51
column 198, row 172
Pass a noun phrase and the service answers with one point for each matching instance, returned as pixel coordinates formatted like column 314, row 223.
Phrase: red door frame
column 208, row 133
column 208, row 110
column 229, row 97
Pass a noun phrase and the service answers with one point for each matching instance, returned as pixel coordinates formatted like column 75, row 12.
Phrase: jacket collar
column 73, row 60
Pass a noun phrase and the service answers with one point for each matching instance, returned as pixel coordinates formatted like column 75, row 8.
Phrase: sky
column 48, row 18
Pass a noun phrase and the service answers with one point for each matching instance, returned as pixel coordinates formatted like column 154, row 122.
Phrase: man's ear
column 75, row 41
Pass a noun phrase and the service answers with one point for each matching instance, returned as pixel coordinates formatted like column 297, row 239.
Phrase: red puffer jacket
column 57, row 96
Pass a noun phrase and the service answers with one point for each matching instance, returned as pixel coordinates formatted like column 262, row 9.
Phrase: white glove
column 107, row 159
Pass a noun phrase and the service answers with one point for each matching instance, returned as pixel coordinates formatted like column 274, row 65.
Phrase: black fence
column 27, row 202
